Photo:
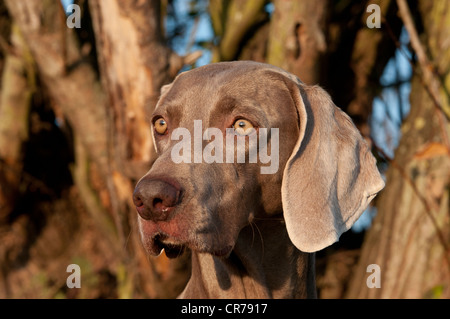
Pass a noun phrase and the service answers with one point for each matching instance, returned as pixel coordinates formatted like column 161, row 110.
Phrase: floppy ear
column 331, row 175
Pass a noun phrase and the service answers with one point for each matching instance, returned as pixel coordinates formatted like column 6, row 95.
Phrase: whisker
column 253, row 234
column 260, row 236
column 127, row 240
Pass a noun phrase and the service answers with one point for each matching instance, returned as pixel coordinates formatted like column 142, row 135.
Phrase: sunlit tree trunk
column 107, row 111
column 409, row 238
column 297, row 38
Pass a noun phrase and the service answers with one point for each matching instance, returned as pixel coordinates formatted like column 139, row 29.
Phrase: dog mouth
column 174, row 249
column 174, row 241
column 171, row 248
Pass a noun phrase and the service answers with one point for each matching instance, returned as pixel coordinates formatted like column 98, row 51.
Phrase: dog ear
column 331, row 175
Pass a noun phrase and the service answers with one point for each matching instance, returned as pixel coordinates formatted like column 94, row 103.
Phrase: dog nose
column 155, row 199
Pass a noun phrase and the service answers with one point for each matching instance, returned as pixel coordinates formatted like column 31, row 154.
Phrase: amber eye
column 243, row 127
column 160, row 126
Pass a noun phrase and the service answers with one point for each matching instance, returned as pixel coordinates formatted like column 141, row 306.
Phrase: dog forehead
column 216, row 76
column 213, row 91
column 241, row 79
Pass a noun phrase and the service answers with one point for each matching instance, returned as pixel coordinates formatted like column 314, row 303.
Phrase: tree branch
column 429, row 80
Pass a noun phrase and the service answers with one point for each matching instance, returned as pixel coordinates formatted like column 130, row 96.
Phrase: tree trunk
column 17, row 87
column 409, row 238
column 107, row 115
column 297, row 38
column 371, row 51
column 234, row 22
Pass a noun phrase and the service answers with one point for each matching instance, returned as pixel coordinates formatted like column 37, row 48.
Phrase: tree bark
column 234, row 22
column 409, row 238
column 18, row 84
column 297, row 38
column 371, row 52
column 108, row 114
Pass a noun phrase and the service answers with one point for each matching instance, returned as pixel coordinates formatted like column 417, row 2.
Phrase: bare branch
column 430, row 81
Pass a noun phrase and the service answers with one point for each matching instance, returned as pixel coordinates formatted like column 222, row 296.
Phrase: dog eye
column 243, row 127
column 160, row 126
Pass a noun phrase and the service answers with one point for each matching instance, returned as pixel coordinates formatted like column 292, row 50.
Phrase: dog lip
column 174, row 248
column 175, row 241
column 166, row 239
column 170, row 246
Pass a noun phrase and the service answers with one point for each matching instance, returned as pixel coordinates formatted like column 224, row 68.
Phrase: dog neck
column 263, row 264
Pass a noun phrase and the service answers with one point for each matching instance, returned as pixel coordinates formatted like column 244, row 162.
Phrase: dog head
column 242, row 140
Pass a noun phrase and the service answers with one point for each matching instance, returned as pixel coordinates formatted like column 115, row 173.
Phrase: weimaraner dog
column 252, row 232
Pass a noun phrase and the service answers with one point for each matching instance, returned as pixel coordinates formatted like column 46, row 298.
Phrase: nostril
column 158, row 205
column 137, row 200
column 157, row 201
